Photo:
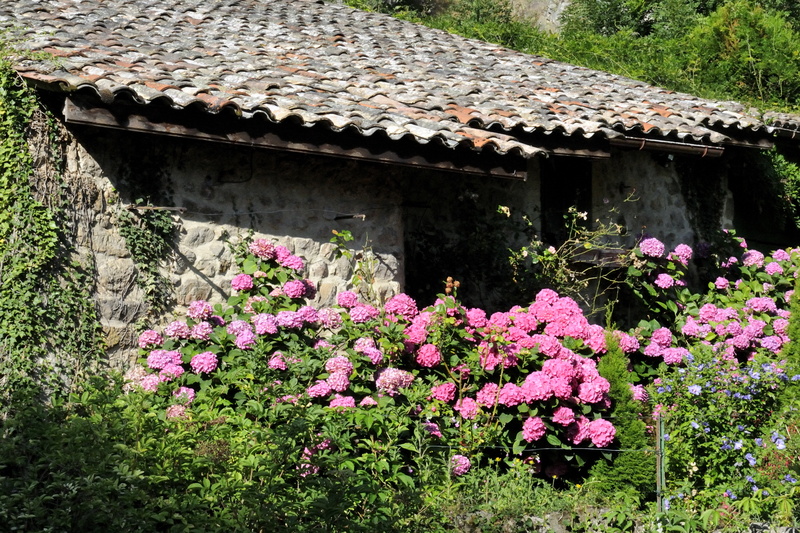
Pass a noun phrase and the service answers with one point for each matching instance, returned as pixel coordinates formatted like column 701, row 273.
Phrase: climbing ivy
column 148, row 235
column 49, row 332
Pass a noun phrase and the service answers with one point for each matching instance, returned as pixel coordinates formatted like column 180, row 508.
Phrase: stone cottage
column 294, row 118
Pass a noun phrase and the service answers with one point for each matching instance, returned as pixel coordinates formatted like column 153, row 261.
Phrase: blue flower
column 759, row 442
column 695, row 389
column 750, row 459
column 789, row 478
column 780, row 444
column 750, row 479
column 695, row 425
column 737, row 445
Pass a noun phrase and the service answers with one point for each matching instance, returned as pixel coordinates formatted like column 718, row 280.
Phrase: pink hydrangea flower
column 242, row 282
column 170, row 372
column 639, row 393
column 762, row 305
column 415, row 334
column 753, row 258
column 204, row 362
column 238, row 326
column 363, row 313
column 329, row 318
column 403, row 305
column 290, row 319
column 199, row 310
column 563, row 416
column 537, row 387
column 559, row 368
column 664, row 281
column 339, row 364
column 780, row 326
column 459, row 465
column 511, row 395
column 158, row 359
column 347, row 299
column 150, row 338
column 627, row 343
column 177, row 329
column 201, row 331
column 721, row 283
column 562, row 388
column 467, row 408
column 674, row 356
column 446, row 392
column 487, row 396
column 338, row 381
column 277, row 361
column 391, row 380
column 547, row 296
column 346, row 402
column 265, row 324
column 262, row 248
column 184, row 395
column 780, row 255
column 662, row 337
column 652, row 247
column 533, row 429
column 593, row 391
column 368, row 401
column 150, row 382
column 293, row 262
column 245, row 340
column 294, row 288
column 578, row 431
column 320, row 389
column 601, row 432
column 428, row 355
column 176, row 411
column 476, row 318
column 683, row 253
column 773, row 269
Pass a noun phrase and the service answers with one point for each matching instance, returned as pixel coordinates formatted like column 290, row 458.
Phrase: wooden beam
column 79, row 111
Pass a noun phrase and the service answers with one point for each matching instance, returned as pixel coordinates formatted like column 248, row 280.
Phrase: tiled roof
column 311, row 62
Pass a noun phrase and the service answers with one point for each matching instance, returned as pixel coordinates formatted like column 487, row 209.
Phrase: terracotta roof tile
column 330, row 64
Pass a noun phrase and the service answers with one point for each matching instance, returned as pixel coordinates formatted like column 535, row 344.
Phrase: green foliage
column 585, row 266
column 607, row 17
column 791, row 351
column 148, row 234
column 48, row 328
column 364, row 264
column 754, row 52
column 633, row 473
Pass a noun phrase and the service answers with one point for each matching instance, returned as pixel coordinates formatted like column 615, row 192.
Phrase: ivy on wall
column 148, row 235
column 49, row 331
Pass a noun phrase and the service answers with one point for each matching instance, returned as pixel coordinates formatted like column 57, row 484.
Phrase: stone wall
column 222, row 192
column 217, row 192
column 642, row 191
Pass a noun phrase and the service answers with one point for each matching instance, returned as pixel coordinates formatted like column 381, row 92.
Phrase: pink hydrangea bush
column 475, row 378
